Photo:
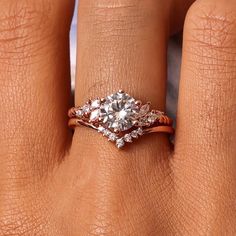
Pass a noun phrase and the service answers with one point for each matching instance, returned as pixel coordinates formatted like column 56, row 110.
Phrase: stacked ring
column 120, row 118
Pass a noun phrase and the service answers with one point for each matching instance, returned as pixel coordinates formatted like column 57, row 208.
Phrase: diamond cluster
column 118, row 112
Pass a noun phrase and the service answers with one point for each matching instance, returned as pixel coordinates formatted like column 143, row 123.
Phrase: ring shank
column 74, row 122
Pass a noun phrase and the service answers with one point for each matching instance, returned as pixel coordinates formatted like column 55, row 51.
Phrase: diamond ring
column 120, row 118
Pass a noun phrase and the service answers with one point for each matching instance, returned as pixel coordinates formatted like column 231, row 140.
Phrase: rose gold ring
column 120, row 118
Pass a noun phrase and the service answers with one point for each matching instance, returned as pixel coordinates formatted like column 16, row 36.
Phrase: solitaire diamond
column 118, row 111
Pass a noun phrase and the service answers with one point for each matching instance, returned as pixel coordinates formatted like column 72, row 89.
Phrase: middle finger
column 122, row 45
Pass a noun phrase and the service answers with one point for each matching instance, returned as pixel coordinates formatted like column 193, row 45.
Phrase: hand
column 53, row 185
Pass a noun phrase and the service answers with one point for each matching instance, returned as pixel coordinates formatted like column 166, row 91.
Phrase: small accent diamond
column 79, row 113
column 106, row 132
column 140, row 131
column 86, row 108
column 152, row 117
column 95, row 103
column 134, row 134
column 101, row 129
column 112, row 137
column 128, row 138
column 120, row 143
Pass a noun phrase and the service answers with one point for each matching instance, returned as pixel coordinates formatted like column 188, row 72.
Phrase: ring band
column 120, row 118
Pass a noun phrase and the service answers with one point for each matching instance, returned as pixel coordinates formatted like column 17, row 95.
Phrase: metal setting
column 120, row 118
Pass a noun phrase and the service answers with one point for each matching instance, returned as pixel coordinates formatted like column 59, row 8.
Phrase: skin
column 57, row 185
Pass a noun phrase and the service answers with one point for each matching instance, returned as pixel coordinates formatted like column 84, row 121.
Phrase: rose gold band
column 163, row 119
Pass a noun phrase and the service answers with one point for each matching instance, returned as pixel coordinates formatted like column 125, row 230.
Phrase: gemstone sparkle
column 118, row 111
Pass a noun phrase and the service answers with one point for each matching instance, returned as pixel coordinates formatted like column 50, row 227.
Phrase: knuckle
column 26, row 27
column 113, row 34
column 20, row 22
column 111, row 20
column 210, row 34
column 212, row 24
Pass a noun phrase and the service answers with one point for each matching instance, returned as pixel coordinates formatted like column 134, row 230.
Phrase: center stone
column 119, row 111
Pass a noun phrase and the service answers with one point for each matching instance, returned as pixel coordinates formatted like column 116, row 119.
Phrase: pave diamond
column 134, row 134
column 101, row 129
column 95, row 103
column 79, row 113
column 128, row 138
column 140, row 131
column 118, row 111
column 152, row 117
column 120, row 143
column 112, row 137
column 106, row 132
column 86, row 108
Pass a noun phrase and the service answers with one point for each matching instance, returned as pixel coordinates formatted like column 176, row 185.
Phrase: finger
column 206, row 134
column 34, row 83
column 122, row 44
column 177, row 16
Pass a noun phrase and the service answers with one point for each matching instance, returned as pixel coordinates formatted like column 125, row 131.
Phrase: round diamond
column 143, row 110
column 152, row 117
column 134, row 134
column 128, row 138
column 112, row 137
column 95, row 103
column 86, row 108
column 101, row 129
column 120, row 143
column 106, row 132
column 119, row 111
column 140, row 131
column 79, row 113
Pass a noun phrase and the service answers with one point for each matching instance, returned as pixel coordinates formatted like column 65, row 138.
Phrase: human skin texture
column 53, row 183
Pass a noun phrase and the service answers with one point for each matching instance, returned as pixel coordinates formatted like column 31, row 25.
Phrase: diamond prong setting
column 119, row 117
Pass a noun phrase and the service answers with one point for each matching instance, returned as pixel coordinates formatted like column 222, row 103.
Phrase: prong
column 100, row 119
column 89, row 102
column 121, row 91
column 72, row 112
column 116, row 131
column 102, row 99
column 86, row 114
column 138, row 103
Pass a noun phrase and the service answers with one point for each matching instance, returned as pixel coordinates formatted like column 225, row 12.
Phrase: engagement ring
column 120, row 118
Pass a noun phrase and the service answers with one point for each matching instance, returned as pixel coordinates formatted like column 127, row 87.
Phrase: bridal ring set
column 120, row 118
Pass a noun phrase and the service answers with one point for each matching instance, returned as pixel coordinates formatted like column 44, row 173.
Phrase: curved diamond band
column 120, row 118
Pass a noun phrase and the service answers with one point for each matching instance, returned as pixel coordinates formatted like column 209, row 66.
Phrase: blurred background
column 174, row 61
